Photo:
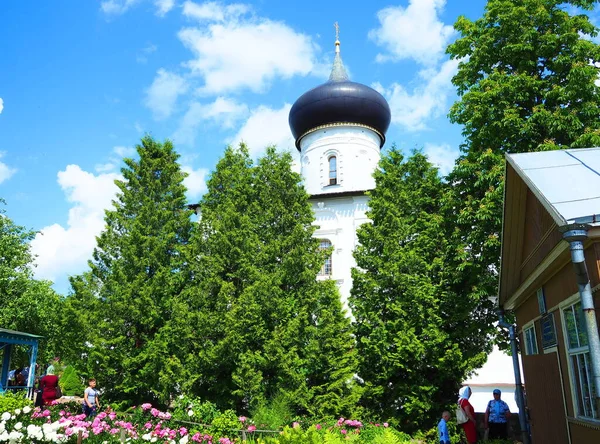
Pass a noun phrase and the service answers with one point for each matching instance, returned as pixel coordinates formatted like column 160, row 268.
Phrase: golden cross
column 337, row 30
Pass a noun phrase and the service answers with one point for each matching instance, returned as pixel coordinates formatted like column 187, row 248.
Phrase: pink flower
column 148, row 425
column 146, row 406
column 318, row 427
column 242, row 418
column 343, row 431
column 251, row 428
column 183, row 431
column 385, row 424
column 295, row 424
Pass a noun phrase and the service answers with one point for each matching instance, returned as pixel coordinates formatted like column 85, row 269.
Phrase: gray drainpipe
column 518, row 384
column 575, row 236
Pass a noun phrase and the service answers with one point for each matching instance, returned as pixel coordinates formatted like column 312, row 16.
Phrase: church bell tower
column 339, row 128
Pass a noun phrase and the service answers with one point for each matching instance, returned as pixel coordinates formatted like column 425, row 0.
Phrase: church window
column 332, row 170
column 326, row 269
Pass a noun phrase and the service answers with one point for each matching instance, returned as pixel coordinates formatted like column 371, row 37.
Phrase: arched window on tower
column 327, row 268
column 332, row 170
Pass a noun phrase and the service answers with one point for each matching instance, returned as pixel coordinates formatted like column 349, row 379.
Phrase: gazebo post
column 32, row 362
column 5, row 365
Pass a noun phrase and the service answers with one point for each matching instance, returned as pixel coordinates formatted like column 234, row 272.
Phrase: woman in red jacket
column 469, row 426
column 48, row 385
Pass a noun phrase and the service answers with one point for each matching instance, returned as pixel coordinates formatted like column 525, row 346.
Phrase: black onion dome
column 339, row 101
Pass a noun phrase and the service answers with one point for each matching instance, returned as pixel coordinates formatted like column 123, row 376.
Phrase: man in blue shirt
column 443, row 428
column 496, row 417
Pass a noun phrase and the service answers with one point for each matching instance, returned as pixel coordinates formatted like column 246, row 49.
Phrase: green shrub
column 272, row 415
column 70, row 383
column 10, row 401
column 190, row 408
column 225, row 424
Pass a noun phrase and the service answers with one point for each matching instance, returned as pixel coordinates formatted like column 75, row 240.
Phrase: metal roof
column 567, row 182
column 5, row 331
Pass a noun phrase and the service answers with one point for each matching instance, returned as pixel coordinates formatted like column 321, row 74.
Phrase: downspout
column 575, row 236
column 517, row 370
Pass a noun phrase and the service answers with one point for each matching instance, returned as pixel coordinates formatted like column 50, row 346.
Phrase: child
column 90, row 400
column 443, row 428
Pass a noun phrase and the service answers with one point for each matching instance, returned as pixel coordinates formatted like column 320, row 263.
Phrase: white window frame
column 579, row 353
column 333, row 178
column 530, row 340
column 323, row 272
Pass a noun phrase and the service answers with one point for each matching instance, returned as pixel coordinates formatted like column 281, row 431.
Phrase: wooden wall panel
column 544, row 399
column 584, row 434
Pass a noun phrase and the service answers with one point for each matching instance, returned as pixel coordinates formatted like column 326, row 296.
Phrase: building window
column 541, row 297
column 332, row 170
column 530, row 341
column 326, row 269
column 579, row 356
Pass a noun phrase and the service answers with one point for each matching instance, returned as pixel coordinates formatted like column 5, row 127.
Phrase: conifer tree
column 409, row 361
column 262, row 309
column 137, row 274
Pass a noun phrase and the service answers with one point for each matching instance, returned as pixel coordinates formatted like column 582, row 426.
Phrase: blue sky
column 82, row 81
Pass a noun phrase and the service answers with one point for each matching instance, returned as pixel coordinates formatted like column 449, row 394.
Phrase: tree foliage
column 409, row 334
column 267, row 327
column 129, row 299
column 26, row 304
column 527, row 82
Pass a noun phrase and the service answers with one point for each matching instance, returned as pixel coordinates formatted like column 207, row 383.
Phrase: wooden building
column 550, row 277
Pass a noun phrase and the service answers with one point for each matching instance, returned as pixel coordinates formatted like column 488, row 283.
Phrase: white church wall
column 337, row 219
column 356, row 149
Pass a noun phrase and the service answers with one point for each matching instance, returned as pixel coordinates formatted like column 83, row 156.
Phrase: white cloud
column 267, row 126
column 414, row 32
column 442, row 156
column 124, row 151
column 427, row 100
column 1, row 105
column 65, row 250
column 6, row 172
column 163, row 6
column 143, row 56
column 213, row 11
column 117, row 7
column 223, row 111
column 105, row 167
column 162, row 95
column 235, row 50
column 195, row 182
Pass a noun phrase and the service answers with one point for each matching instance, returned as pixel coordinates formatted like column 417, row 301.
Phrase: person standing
column 469, row 426
column 496, row 417
column 49, row 385
column 443, row 434
column 90, row 400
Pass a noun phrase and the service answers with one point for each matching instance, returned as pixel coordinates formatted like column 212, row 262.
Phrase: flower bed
column 64, row 423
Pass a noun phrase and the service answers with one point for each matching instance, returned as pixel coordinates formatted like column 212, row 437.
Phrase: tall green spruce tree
column 137, row 274
column 526, row 82
column 410, row 362
column 268, row 328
